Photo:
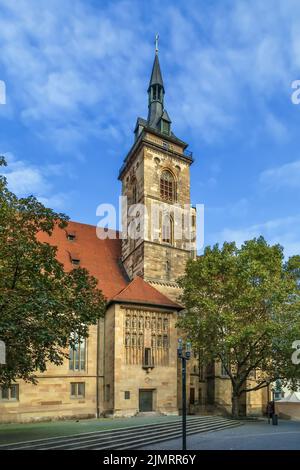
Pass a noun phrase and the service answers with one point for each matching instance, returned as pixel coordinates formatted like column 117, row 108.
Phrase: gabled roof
column 102, row 258
column 139, row 291
column 99, row 257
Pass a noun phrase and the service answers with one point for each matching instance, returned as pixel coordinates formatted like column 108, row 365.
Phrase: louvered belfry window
column 167, row 186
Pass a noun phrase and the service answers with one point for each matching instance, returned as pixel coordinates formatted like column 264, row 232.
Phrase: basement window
column 9, row 393
column 77, row 389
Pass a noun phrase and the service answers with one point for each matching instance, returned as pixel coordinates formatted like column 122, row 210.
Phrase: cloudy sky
column 76, row 74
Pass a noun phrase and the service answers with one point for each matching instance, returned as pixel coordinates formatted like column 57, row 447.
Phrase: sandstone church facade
column 128, row 364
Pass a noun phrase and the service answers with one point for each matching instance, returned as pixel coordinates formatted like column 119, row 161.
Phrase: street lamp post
column 184, row 356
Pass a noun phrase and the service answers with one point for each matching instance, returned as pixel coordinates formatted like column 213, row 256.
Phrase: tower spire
column 156, row 90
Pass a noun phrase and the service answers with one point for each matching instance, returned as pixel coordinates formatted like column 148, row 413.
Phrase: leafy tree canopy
column 40, row 304
column 243, row 310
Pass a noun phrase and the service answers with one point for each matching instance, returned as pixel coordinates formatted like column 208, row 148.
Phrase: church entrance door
column 146, row 400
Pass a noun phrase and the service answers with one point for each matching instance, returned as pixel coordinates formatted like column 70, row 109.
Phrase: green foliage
column 40, row 304
column 242, row 308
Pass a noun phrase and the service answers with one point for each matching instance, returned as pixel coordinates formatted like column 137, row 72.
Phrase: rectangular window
column 78, row 355
column 77, row 389
column 127, row 395
column 10, row 393
column 192, row 396
column 147, row 357
column 14, row 392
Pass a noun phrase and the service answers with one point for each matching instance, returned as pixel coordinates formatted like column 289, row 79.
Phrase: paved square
column 258, row 435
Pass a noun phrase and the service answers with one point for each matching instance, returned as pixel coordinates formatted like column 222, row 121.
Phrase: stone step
column 140, row 444
column 142, row 441
column 103, row 433
column 128, row 438
column 103, row 436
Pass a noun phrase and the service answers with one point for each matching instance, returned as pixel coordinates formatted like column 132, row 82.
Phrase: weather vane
column 156, row 43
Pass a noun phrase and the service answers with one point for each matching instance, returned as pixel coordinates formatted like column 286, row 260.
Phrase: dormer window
column 75, row 262
column 165, row 127
column 75, row 259
column 71, row 236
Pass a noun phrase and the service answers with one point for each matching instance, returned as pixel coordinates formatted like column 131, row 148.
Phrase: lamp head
column 188, row 349
column 179, row 347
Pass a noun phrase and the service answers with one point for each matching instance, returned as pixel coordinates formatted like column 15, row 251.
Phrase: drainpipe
column 97, row 370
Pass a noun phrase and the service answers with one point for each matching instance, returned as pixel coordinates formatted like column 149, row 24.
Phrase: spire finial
column 156, row 43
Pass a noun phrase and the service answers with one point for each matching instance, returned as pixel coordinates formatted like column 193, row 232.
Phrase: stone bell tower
column 156, row 175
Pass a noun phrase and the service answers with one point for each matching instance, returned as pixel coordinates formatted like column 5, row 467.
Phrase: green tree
column 242, row 309
column 40, row 304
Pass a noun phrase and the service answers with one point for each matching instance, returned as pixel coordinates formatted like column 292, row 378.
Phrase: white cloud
column 25, row 179
column 70, row 67
column 74, row 65
column 284, row 176
column 284, row 231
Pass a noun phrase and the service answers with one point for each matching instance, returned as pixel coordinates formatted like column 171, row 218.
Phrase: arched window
column 167, row 186
column 133, row 191
column 167, row 229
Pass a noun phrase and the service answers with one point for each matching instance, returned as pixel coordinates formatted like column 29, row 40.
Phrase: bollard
column 275, row 420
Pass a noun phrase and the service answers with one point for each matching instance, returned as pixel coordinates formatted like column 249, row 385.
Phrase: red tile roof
column 139, row 291
column 101, row 257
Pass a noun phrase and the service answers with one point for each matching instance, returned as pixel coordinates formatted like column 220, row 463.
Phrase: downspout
column 97, row 370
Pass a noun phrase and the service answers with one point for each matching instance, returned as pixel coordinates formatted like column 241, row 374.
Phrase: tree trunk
column 235, row 406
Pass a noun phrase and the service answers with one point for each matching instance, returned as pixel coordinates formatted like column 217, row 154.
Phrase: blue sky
column 76, row 74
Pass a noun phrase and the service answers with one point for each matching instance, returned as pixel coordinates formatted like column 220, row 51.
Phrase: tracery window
column 144, row 329
column 167, row 186
column 167, row 229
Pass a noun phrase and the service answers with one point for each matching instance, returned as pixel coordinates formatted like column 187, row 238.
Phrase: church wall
column 51, row 397
column 155, row 161
column 163, row 263
column 253, row 403
column 159, row 141
column 130, row 376
column 132, row 250
column 109, row 345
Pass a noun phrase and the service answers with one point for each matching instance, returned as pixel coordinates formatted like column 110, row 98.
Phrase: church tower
column 155, row 179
